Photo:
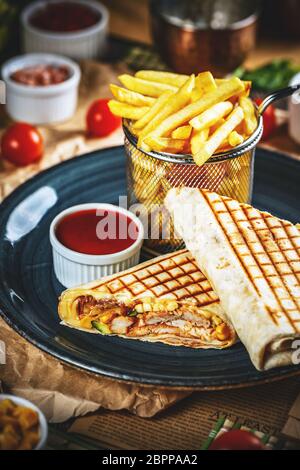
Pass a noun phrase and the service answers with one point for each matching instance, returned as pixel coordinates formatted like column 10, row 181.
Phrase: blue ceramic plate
column 29, row 289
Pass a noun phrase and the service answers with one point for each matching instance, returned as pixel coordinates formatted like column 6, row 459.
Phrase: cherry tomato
column 99, row 119
column 237, row 440
column 269, row 119
column 22, row 144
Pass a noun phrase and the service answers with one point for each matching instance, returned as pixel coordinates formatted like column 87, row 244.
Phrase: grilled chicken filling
column 148, row 316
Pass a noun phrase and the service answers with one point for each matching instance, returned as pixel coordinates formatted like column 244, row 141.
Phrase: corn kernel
column 172, row 305
column 217, row 320
column 139, row 308
column 156, row 307
column 86, row 322
column 206, row 314
column 147, row 307
column 106, row 318
column 222, row 332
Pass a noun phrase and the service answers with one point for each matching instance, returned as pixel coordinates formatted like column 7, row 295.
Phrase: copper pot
column 188, row 47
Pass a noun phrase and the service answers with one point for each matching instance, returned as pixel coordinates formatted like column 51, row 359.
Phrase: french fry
column 133, row 131
column 214, row 141
column 145, row 87
column 219, row 81
column 177, row 113
column 131, row 97
column 235, row 139
column 247, row 90
column 198, row 139
column 211, row 116
column 165, row 144
column 153, row 110
column 169, row 78
column 176, row 102
column 182, row 132
column 204, row 83
column 249, row 112
column 127, row 110
column 247, row 84
column 183, row 115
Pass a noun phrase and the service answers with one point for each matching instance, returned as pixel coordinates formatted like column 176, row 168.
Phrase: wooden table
column 130, row 19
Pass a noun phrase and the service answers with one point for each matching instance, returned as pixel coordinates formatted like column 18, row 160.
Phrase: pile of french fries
column 175, row 113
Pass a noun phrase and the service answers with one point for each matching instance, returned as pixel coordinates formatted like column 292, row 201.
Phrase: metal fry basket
column 150, row 175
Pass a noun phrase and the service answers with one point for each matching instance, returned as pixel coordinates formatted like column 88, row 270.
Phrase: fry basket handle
column 277, row 95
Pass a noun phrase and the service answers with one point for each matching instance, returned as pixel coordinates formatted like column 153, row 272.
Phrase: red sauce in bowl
column 64, row 17
column 93, row 233
column 41, row 75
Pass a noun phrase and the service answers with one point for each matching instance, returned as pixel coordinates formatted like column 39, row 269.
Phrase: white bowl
column 72, row 268
column 43, row 423
column 88, row 43
column 41, row 104
column 294, row 111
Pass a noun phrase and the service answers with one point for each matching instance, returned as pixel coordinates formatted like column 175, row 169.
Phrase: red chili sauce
column 64, row 17
column 41, row 75
column 93, row 233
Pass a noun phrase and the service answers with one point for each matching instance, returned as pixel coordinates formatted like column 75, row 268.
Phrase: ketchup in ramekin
column 89, row 232
column 64, row 17
column 90, row 241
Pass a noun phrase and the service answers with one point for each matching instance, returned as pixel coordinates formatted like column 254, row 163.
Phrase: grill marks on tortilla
column 269, row 252
column 175, row 276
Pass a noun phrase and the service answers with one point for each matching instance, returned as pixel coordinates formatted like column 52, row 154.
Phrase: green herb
column 132, row 313
column 269, row 77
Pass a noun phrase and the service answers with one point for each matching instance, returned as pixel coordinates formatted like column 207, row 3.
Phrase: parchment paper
column 63, row 392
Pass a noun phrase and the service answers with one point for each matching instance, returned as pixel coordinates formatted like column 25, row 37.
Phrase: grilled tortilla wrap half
column 178, row 318
column 252, row 260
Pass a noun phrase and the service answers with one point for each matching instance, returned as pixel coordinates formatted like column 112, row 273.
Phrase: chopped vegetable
column 102, row 327
column 132, row 313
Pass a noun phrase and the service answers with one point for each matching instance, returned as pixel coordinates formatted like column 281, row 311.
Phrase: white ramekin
column 72, row 268
column 41, row 104
column 43, row 423
column 294, row 111
column 88, row 43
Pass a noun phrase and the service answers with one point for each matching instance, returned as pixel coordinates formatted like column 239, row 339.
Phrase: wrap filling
column 167, row 320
